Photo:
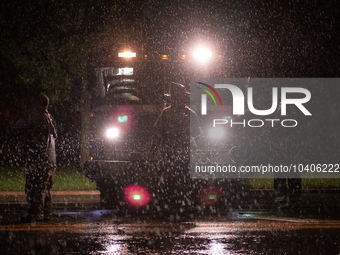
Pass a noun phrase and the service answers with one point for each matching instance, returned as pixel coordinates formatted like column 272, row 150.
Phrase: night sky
column 259, row 38
column 256, row 38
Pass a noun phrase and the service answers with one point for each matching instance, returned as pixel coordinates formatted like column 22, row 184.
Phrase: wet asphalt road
column 103, row 232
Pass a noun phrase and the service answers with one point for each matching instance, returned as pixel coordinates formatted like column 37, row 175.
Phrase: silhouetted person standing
column 172, row 138
column 41, row 161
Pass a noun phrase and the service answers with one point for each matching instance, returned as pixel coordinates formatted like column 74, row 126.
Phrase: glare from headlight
column 202, row 54
column 216, row 133
column 112, row 133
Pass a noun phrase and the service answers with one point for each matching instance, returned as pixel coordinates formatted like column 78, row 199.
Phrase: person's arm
column 39, row 132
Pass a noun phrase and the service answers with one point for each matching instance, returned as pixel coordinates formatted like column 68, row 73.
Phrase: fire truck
column 127, row 90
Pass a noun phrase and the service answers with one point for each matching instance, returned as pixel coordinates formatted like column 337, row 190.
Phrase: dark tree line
column 43, row 46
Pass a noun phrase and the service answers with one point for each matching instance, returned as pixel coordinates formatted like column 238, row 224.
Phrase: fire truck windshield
column 135, row 83
column 124, row 93
column 129, row 92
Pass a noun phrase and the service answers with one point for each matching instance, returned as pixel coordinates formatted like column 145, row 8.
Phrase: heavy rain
column 169, row 127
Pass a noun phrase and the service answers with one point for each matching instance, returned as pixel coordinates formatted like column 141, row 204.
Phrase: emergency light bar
column 200, row 54
column 127, row 54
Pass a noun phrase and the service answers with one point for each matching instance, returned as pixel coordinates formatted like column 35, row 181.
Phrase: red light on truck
column 210, row 195
column 137, row 195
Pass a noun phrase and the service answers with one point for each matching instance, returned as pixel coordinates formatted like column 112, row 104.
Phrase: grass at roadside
column 13, row 179
column 71, row 179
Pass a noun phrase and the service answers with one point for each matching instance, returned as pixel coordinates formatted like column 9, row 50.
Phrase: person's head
column 42, row 103
column 178, row 95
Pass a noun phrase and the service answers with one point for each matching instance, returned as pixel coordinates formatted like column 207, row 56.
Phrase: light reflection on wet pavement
column 101, row 232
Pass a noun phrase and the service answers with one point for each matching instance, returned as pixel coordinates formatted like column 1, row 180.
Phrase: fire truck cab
column 126, row 101
column 128, row 91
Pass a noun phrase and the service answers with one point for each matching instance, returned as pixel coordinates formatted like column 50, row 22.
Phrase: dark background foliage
column 45, row 45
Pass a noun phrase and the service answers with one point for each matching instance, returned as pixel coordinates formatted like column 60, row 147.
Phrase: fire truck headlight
column 202, row 54
column 112, row 133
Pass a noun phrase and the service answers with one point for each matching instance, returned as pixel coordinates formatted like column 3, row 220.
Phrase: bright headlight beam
column 202, row 54
column 112, row 132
